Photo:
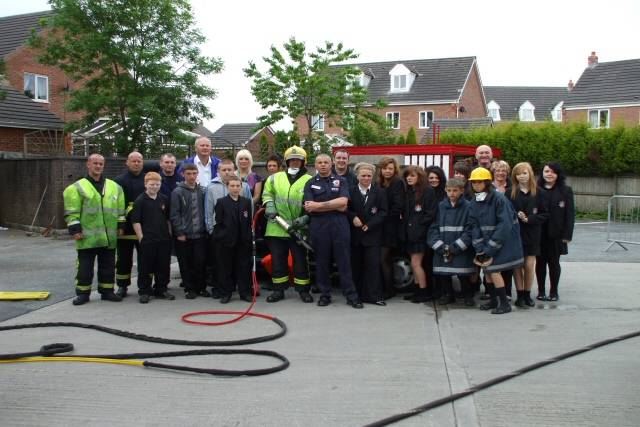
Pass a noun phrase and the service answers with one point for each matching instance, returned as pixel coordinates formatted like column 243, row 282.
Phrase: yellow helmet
column 295, row 152
column 480, row 174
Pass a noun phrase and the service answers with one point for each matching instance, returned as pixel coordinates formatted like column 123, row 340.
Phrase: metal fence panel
column 623, row 221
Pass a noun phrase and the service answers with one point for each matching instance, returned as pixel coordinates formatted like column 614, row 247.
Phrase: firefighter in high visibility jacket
column 282, row 196
column 94, row 212
column 132, row 183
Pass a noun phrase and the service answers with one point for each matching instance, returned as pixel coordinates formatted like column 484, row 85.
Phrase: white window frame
column 524, row 109
column 398, row 81
column 424, row 124
column 398, row 74
column 599, row 112
column 390, row 119
column 36, row 92
column 493, row 108
column 556, row 113
column 317, row 122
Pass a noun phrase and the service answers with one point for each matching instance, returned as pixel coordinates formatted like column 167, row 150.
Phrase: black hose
column 474, row 389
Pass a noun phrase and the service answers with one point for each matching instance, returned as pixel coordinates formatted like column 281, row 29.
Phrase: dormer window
column 526, row 112
column 401, row 78
column 364, row 80
column 556, row 113
column 494, row 110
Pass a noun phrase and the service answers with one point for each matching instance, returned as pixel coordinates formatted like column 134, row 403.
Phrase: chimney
column 592, row 61
column 570, row 86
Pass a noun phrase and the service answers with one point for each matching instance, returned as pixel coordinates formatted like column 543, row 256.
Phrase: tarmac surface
column 348, row 367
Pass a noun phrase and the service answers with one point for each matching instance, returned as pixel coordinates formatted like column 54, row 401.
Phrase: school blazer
column 232, row 227
column 371, row 213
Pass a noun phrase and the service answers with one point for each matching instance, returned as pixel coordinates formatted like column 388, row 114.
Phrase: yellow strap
column 74, row 359
column 16, row 296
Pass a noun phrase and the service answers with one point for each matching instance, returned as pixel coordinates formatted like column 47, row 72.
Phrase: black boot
column 527, row 299
column 421, row 295
column 305, row 296
column 111, row 296
column 520, row 301
column 493, row 299
column 504, row 306
column 81, row 299
column 121, row 292
column 276, row 296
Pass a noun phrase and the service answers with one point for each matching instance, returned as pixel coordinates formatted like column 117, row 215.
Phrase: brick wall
column 26, row 179
column 471, row 99
column 629, row 116
column 12, row 139
column 23, row 60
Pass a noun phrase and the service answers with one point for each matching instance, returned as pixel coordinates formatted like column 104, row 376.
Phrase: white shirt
column 204, row 171
column 363, row 190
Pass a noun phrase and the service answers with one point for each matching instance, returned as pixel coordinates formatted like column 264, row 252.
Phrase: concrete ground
column 348, row 367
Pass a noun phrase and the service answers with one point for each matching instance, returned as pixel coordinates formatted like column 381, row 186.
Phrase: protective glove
column 270, row 211
column 300, row 222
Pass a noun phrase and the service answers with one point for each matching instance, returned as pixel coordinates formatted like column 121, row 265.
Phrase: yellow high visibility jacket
column 98, row 214
column 287, row 198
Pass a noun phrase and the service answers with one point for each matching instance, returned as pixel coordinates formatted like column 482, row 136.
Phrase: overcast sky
column 524, row 43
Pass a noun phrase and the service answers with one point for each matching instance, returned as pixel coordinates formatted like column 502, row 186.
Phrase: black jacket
column 418, row 214
column 561, row 213
column 233, row 222
column 182, row 211
column 395, row 209
column 133, row 186
column 535, row 207
column 371, row 213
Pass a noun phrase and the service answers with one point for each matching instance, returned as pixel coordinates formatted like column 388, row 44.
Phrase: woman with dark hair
column 557, row 231
column 438, row 181
column 389, row 180
column 419, row 213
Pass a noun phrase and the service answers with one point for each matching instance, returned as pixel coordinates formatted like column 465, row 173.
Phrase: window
column 317, row 123
column 36, row 87
column 494, row 110
column 599, row 119
column 556, row 113
column 526, row 112
column 399, row 82
column 393, row 118
column 425, row 119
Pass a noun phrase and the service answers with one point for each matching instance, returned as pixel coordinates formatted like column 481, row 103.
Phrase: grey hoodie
column 217, row 190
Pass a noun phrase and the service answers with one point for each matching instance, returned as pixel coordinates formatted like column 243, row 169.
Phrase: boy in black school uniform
column 232, row 234
column 150, row 220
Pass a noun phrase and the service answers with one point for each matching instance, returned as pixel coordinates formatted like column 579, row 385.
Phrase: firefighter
column 325, row 199
column 94, row 212
column 132, row 183
column 282, row 196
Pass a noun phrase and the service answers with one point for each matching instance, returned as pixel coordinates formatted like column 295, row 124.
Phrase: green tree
column 305, row 84
column 412, row 139
column 264, row 147
column 369, row 128
column 284, row 140
column 400, row 140
column 138, row 63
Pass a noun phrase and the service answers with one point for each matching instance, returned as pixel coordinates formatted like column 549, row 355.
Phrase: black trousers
column 106, row 272
column 466, row 288
column 234, row 268
column 211, row 278
column 124, row 260
column 155, row 262
column 192, row 255
column 279, row 248
column 549, row 256
column 365, row 268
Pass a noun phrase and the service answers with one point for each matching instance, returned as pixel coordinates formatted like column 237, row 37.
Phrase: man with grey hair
column 206, row 163
column 484, row 156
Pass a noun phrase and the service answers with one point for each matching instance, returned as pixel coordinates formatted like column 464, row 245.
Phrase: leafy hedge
column 580, row 150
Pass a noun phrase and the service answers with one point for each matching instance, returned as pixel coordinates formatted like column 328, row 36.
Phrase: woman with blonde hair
column 501, row 179
column 528, row 201
column 388, row 178
column 244, row 163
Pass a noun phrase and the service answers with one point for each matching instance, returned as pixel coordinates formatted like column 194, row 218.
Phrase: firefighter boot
column 81, row 299
column 276, row 296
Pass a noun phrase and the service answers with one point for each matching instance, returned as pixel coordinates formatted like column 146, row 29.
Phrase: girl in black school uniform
column 366, row 211
column 529, row 203
column 438, row 181
column 419, row 213
column 557, row 231
column 390, row 181
column 501, row 172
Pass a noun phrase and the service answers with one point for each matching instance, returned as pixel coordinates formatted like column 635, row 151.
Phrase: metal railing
column 623, row 221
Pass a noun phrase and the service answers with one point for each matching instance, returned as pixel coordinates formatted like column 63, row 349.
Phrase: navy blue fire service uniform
column 329, row 232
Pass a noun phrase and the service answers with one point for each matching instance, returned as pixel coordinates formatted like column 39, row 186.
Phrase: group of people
column 486, row 219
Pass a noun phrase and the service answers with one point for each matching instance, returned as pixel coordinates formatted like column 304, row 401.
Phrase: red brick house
column 418, row 92
column 607, row 94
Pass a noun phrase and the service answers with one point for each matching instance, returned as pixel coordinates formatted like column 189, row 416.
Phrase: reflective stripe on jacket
column 287, row 198
column 98, row 214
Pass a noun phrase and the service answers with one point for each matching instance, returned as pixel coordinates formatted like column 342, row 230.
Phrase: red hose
column 240, row 314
